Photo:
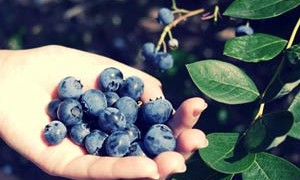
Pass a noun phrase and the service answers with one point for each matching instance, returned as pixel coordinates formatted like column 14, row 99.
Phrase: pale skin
column 28, row 79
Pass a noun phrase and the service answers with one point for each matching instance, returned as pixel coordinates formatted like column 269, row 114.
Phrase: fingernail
column 206, row 142
column 181, row 169
column 198, row 110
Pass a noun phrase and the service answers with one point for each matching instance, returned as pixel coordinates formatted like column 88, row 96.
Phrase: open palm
column 28, row 79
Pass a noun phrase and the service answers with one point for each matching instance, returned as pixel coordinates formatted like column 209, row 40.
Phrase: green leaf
column 259, row 9
column 270, row 167
column 223, row 81
column 223, row 156
column 198, row 170
column 254, row 48
column 268, row 131
column 295, row 110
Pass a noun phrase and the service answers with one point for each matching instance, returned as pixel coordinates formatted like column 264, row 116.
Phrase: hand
column 28, row 79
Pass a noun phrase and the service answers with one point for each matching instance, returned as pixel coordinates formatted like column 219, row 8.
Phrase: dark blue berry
column 52, row 108
column 93, row 101
column 111, row 119
column 128, row 107
column 69, row 87
column 136, row 149
column 117, row 144
column 70, row 112
column 94, row 142
column 78, row 133
column 133, row 132
column 165, row 16
column 159, row 139
column 110, row 79
column 55, row 132
column 148, row 49
column 111, row 98
column 163, row 61
column 243, row 30
column 133, row 87
column 156, row 111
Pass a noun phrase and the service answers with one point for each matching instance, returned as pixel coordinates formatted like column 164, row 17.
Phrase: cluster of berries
column 160, row 59
column 110, row 121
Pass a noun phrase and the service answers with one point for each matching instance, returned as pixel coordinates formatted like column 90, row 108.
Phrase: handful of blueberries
column 110, row 121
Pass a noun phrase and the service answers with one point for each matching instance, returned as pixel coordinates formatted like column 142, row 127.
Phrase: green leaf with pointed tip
column 223, row 82
column 268, row 167
column 259, row 9
column 222, row 154
column 295, row 110
column 268, row 131
column 254, row 48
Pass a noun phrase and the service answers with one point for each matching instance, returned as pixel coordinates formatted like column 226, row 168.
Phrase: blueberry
column 133, row 87
column 69, row 87
column 111, row 98
column 70, row 112
column 136, row 149
column 133, row 132
column 52, row 108
column 165, row 16
column 111, row 119
column 117, row 144
column 156, row 111
column 93, row 101
column 110, row 79
column 159, row 139
column 94, row 142
column 148, row 49
column 78, row 133
column 243, row 30
column 128, row 107
column 55, row 132
column 163, row 61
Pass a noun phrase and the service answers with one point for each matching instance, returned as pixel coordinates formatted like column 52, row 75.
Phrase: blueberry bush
column 245, row 154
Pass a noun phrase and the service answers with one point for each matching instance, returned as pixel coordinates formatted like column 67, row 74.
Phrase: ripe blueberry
column 128, row 107
column 111, row 98
column 165, row 16
column 110, row 79
column 148, row 49
column 136, row 149
column 93, row 101
column 159, row 139
column 163, row 61
column 69, row 87
column 78, row 133
column 133, row 87
column 156, row 111
column 70, row 112
column 133, row 132
column 52, row 108
column 94, row 142
column 55, row 132
column 117, row 144
column 111, row 119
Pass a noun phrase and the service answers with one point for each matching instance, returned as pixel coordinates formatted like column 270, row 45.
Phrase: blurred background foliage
column 117, row 29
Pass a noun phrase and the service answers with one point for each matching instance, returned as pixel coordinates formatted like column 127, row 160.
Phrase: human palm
column 28, row 79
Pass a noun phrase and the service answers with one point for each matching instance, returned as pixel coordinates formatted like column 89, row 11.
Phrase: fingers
column 170, row 163
column 189, row 141
column 95, row 167
column 187, row 115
